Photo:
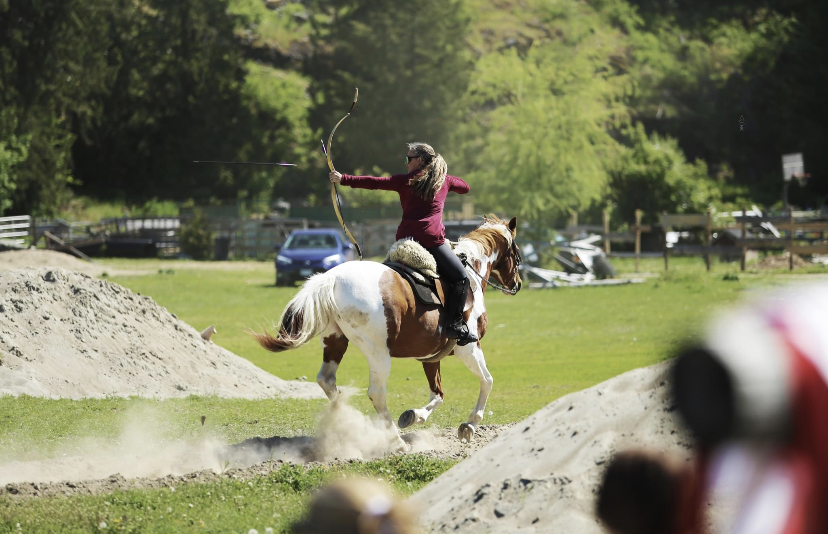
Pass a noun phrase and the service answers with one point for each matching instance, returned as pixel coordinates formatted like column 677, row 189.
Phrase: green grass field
column 541, row 344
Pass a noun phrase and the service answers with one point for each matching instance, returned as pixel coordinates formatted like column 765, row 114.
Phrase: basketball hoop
column 801, row 177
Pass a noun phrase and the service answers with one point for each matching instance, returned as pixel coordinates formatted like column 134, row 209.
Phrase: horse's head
column 506, row 269
column 496, row 238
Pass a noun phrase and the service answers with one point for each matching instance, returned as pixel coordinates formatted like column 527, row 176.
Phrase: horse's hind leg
column 334, row 345
column 420, row 415
column 472, row 356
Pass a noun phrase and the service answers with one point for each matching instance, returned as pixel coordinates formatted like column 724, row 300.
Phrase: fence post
column 606, row 233
column 707, row 240
column 791, row 233
column 744, row 236
column 33, row 231
column 637, row 238
column 664, row 229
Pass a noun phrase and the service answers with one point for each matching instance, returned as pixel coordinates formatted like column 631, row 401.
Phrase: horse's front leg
column 420, row 415
column 379, row 368
column 472, row 356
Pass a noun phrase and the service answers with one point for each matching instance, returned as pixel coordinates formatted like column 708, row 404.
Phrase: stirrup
column 461, row 333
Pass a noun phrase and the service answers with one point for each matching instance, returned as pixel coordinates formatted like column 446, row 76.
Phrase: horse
column 371, row 305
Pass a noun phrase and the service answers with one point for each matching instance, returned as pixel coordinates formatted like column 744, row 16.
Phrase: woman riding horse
column 369, row 304
column 423, row 190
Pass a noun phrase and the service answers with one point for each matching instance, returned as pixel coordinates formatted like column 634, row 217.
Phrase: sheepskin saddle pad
column 410, row 253
column 417, row 266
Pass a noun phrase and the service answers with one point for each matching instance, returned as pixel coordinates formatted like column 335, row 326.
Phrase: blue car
column 307, row 252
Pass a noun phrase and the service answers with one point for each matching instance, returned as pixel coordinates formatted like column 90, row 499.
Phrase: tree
column 653, row 175
column 12, row 151
column 538, row 137
column 50, row 69
column 411, row 65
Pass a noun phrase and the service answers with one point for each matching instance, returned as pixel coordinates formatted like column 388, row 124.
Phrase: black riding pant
column 448, row 264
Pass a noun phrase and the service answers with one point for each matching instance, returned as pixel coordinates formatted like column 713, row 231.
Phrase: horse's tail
column 305, row 315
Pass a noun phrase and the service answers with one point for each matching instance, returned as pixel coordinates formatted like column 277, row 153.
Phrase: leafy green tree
column 654, row 176
column 13, row 150
column 51, row 67
column 196, row 238
column 738, row 84
column 537, row 139
column 411, row 65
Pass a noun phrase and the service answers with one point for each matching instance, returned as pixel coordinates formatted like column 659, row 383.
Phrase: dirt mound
column 541, row 474
column 19, row 259
column 781, row 261
column 66, row 334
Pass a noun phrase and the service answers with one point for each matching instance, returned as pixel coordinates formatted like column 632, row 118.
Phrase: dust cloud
column 142, row 450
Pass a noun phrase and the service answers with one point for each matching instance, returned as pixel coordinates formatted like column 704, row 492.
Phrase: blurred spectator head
column 641, row 493
column 356, row 506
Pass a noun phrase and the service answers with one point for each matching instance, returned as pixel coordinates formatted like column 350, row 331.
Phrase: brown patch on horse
column 333, row 348
column 439, row 288
column 412, row 327
column 432, row 372
column 289, row 333
column 482, row 323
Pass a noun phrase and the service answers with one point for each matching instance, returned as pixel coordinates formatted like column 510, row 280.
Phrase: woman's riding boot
column 456, row 327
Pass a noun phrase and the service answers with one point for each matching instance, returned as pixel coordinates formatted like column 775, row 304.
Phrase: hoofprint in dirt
column 65, row 334
column 257, row 457
column 541, row 475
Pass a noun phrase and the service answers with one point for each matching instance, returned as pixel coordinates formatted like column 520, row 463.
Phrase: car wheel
column 603, row 269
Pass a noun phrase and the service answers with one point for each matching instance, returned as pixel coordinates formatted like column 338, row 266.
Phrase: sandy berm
column 541, row 475
column 64, row 334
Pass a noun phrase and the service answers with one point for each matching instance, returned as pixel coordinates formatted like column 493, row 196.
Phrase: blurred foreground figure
column 356, row 506
column 644, row 493
column 755, row 394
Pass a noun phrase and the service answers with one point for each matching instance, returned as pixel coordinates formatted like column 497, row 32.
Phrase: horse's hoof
column 400, row 446
column 407, row 419
column 465, row 432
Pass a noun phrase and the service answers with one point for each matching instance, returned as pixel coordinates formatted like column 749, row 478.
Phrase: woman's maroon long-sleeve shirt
column 421, row 219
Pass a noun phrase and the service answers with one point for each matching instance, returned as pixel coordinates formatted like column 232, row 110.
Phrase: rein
column 465, row 262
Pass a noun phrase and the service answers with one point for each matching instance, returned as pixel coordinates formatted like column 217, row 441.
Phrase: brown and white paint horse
column 370, row 305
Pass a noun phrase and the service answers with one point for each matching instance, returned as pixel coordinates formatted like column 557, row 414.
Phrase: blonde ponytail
column 432, row 176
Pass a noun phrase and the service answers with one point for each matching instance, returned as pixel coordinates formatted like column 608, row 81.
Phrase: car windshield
column 300, row 241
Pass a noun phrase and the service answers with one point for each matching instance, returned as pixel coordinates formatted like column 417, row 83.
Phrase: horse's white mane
column 474, row 248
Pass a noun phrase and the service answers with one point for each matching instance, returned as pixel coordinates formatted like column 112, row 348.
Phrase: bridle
column 515, row 252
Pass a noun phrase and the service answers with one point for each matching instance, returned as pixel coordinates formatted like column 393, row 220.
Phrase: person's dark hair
column 638, row 494
column 703, row 391
column 431, row 177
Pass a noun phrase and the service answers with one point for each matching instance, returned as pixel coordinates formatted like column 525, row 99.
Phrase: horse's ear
column 513, row 225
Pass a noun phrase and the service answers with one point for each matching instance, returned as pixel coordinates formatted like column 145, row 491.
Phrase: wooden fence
column 633, row 235
column 802, row 235
column 16, row 228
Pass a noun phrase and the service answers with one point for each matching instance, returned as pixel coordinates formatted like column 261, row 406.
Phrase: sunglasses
column 409, row 158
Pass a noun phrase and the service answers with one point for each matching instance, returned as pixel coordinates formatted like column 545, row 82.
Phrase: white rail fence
column 15, row 228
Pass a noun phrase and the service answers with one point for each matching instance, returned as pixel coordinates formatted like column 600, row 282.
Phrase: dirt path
column 254, row 457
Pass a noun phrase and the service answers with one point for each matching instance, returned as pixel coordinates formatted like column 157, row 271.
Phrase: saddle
column 417, row 266
column 426, row 289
